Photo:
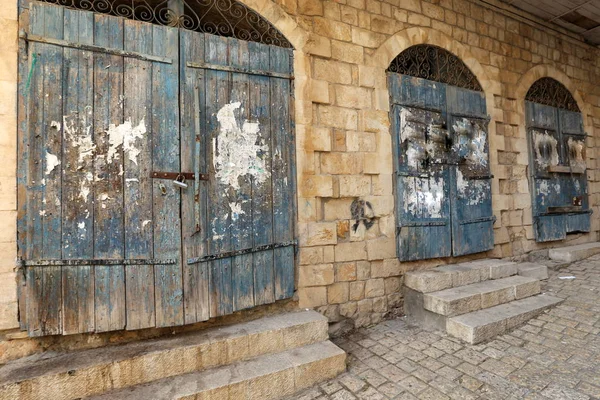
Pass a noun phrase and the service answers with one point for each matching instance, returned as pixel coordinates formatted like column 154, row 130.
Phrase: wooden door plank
column 194, row 145
column 78, row 175
column 108, row 165
column 217, row 97
column 165, row 157
column 283, row 174
column 37, row 310
column 241, row 198
column 262, row 194
column 139, row 286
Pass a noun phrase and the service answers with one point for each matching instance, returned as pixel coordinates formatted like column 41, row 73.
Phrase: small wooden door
column 443, row 177
column 106, row 240
column 557, row 167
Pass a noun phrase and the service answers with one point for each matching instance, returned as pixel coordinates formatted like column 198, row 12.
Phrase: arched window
column 228, row 18
column 435, row 64
column 552, row 93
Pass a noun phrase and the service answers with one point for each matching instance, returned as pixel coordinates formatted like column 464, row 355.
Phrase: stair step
column 266, row 377
column 482, row 325
column 480, row 295
column 84, row 373
column 574, row 253
column 456, row 275
column 533, row 270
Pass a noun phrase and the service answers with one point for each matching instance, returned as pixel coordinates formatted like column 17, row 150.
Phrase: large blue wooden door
column 443, row 184
column 115, row 111
column 557, row 164
column 239, row 234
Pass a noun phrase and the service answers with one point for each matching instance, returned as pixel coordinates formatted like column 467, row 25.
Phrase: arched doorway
column 557, row 161
column 156, row 183
column 443, row 185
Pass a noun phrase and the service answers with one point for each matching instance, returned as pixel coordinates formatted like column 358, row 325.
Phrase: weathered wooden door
column 114, row 110
column 557, row 162
column 239, row 238
column 443, row 185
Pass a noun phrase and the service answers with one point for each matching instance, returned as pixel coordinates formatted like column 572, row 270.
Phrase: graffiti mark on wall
column 362, row 213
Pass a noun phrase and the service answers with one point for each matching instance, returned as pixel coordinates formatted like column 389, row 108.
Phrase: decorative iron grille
column 435, row 64
column 218, row 17
column 551, row 92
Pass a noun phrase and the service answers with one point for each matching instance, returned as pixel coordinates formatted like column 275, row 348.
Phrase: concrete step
column 533, row 270
column 480, row 295
column 478, row 326
column 574, row 253
column 79, row 374
column 456, row 275
column 262, row 378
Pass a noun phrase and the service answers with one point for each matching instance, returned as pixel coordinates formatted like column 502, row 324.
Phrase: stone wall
column 347, row 265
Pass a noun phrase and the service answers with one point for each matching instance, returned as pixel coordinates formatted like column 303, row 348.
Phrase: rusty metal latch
column 177, row 175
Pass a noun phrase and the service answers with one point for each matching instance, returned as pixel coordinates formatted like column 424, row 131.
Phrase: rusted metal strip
column 565, row 169
column 212, row 257
column 425, row 223
column 227, row 68
column 94, row 48
column 176, row 175
column 479, row 177
column 478, row 220
column 564, row 209
column 94, row 262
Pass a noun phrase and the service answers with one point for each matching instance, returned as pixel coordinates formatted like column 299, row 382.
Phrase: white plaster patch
column 125, row 136
column 545, row 141
column 236, row 210
column 81, row 139
column 474, row 191
column 424, row 197
column 235, row 150
column 145, row 222
column 52, row 162
column 84, row 190
column 81, row 225
column 42, row 213
column 56, row 125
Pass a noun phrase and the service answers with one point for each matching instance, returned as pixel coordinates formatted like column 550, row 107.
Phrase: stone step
column 574, row 253
column 456, row 275
column 79, row 374
column 266, row 377
column 533, row 270
column 478, row 326
column 480, row 295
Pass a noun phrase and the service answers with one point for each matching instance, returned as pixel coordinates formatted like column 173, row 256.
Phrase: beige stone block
column 355, row 185
column 310, row 255
column 352, row 251
column 393, row 284
column 318, row 45
column 349, row 309
column 357, row 291
column 386, row 268
column 352, row 97
column 319, row 92
column 365, row 306
column 315, row 275
column 374, row 288
column 332, row 71
column 333, row 29
column 337, row 209
column 316, row 186
column 345, row 272
column 381, row 248
column 321, row 233
column 428, row 281
column 495, row 297
column 382, row 184
column 310, row 7
column 374, row 121
column 381, row 100
column 8, row 233
column 347, row 52
column 367, row 38
column 363, row 270
column 418, row 19
column 342, row 163
column 8, row 194
column 378, row 162
column 311, row 297
column 338, row 293
column 329, row 254
column 527, row 289
column 8, row 316
column 380, row 304
column 338, row 117
column 372, row 77
column 413, row 5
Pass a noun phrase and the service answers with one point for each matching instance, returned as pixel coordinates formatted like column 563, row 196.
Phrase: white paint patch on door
column 424, row 198
column 80, row 137
column 235, row 150
column 125, row 136
column 52, row 162
column 474, row 191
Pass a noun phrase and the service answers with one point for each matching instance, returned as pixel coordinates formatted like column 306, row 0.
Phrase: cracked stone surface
column 553, row 356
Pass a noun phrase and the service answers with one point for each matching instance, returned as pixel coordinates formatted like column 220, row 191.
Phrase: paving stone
column 413, row 385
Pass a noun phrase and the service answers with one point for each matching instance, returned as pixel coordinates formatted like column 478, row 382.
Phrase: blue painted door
column 443, row 191
column 558, row 172
column 105, row 241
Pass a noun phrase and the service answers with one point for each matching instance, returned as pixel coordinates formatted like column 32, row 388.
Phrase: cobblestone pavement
column 554, row 356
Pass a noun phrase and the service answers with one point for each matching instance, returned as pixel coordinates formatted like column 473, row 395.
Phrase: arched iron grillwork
column 551, row 92
column 435, row 64
column 218, row 17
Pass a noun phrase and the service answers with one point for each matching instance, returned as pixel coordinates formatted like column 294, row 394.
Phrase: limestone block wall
column 347, row 265
column 8, row 164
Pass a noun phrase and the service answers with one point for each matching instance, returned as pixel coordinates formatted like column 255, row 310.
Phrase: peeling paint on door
column 236, row 150
column 546, row 148
column 126, row 136
column 52, row 162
